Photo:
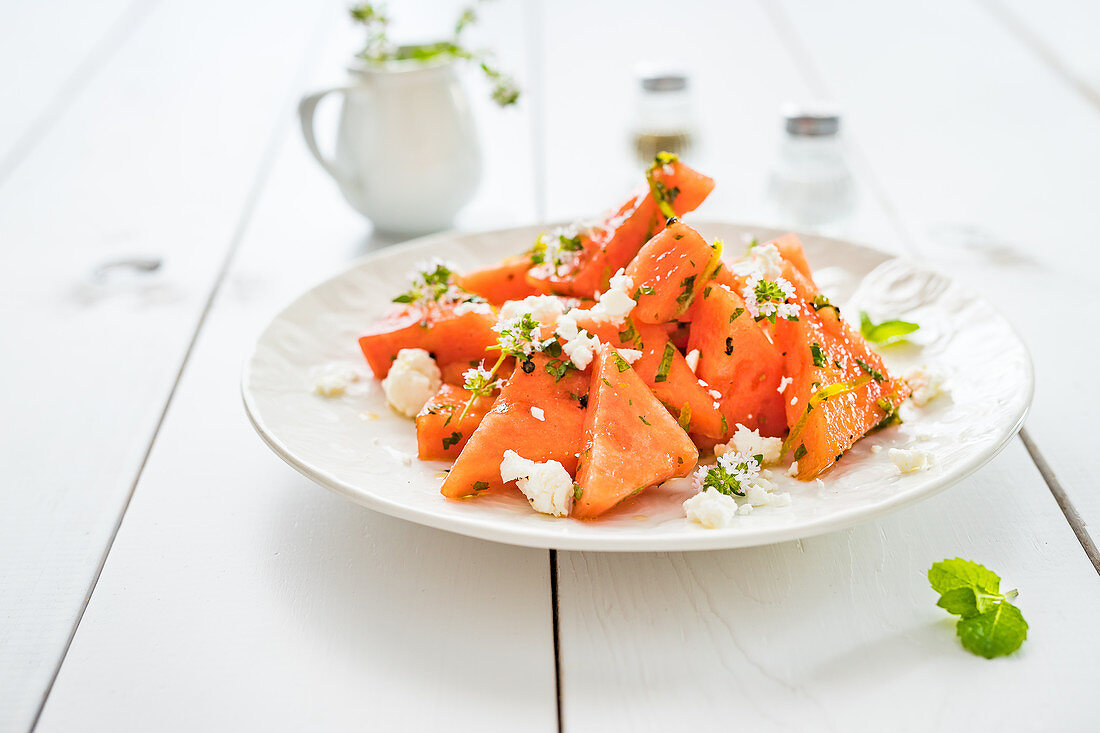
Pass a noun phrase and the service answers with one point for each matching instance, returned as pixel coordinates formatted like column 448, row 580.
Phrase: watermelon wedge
column 630, row 440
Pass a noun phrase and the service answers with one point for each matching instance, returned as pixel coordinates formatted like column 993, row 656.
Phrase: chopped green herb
column 736, row 314
column 577, row 491
column 817, row 354
column 989, row 625
column 875, row 373
column 646, row 290
column 685, row 417
column 687, row 284
column 666, row 363
column 604, row 380
column 429, row 285
column 480, row 486
column 557, row 368
column 800, row 451
column 820, row 301
column 620, row 363
column 885, row 333
column 452, row 440
column 729, row 345
column 642, row 418
column 725, row 425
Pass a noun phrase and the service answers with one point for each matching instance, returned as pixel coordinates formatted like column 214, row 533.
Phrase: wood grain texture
column 41, row 78
column 987, row 157
column 839, row 632
column 238, row 595
column 89, row 362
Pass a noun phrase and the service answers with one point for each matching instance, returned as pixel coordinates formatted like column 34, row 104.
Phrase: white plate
column 356, row 446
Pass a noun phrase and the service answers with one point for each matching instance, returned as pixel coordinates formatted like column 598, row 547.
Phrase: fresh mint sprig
column 885, row 333
column 989, row 625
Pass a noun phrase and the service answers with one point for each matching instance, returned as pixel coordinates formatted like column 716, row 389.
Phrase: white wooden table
column 161, row 570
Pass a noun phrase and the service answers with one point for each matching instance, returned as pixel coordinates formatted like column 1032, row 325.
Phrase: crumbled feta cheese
column 715, row 394
column 927, row 384
column 567, row 325
column 909, row 461
column 711, row 508
column 547, row 486
column 614, row 305
column 543, row 308
column 473, row 306
column 751, row 443
column 538, row 413
column 629, row 355
column 581, row 349
column 763, row 261
column 794, row 400
column 692, row 360
column 783, row 384
column 412, row 380
column 876, row 448
column 793, row 470
column 744, row 509
column 332, row 380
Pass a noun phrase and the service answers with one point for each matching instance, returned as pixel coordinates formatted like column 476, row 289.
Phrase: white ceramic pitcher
column 407, row 154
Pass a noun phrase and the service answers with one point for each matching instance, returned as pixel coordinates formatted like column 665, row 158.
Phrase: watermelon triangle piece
column 839, row 388
column 538, row 415
column 630, row 440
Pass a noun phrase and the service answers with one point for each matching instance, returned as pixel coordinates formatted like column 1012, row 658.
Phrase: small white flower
column 473, row 306
column 762, row 299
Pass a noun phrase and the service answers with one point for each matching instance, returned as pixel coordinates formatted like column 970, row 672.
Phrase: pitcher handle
column 307, row 107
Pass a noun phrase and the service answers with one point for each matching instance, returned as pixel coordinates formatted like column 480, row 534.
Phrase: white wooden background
column 161, row 570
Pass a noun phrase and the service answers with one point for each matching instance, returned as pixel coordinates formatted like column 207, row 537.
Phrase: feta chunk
column 909, row 461
column 711, row 509
column 473, row 306
column 692, row 360
column 615, row 305
column 332, row 380
column 764, row 261
column 927, row 384
column 547, row 486
column 629, row 355
column 543, row 308
column 581, row 349
column 751, row 443
column 538, row 413
column 783, row 384
column 413, row 379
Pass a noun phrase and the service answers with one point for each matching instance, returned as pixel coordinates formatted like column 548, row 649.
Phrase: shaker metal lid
column 661, row 78
column 811, row 120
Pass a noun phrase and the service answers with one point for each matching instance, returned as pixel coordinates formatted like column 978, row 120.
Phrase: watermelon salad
column 610, row 356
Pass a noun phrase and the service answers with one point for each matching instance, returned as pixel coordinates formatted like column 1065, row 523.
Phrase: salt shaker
column 811, row 186
column 665, row 119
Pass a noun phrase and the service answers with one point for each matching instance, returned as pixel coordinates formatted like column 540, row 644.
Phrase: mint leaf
column 999, row 631
column 885, row 333
column 958, row 573
column 959, row 601
column 989, row 626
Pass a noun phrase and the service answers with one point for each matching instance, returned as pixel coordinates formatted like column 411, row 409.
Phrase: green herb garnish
column 885, row 333
column 989, row 625
column 620, row 363
column 687, row 284
column 817, row 354
column 666, row 363
column 875, row 373
column 452, row 440
column 736, row 313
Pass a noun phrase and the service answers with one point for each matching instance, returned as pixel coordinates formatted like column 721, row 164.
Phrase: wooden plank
column 239, row 595
column 983, row 151
column 841, row 630
column 1060, row 33
column 154, row 158
column 42, row 78
column 837, row 632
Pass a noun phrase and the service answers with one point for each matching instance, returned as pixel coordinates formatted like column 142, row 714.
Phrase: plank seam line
column 804, row 62
column 1064, row 503
column 267, row 162
column 803, row 59
column 86, row 70
column 557, row 635
column 1017, row 28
